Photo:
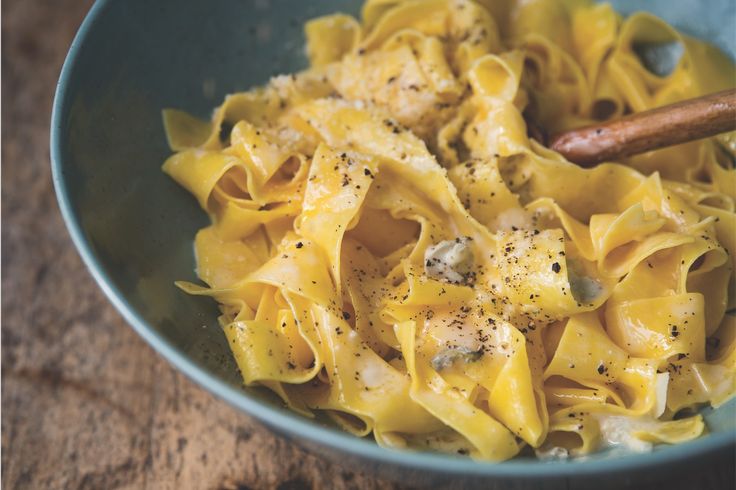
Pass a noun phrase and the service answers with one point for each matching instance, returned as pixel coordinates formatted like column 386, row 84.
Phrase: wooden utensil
column 644, row 131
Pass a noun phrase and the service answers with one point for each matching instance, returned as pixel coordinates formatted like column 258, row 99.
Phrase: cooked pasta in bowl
column 392, row 249
column 388, row 245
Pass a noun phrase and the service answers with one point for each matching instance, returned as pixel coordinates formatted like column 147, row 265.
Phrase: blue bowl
column 134, row 226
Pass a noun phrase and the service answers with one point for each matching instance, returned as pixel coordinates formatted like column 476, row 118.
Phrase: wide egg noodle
column 392, row 247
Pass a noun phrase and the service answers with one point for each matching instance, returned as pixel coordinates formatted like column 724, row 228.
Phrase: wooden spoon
column 649, row 130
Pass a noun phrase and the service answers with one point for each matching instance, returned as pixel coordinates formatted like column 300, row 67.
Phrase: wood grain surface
column 85, row 402
column 664, row 126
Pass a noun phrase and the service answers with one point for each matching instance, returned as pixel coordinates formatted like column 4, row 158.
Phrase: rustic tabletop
column 85, row 402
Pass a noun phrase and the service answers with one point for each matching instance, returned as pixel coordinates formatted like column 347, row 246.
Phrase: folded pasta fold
column 391, row 246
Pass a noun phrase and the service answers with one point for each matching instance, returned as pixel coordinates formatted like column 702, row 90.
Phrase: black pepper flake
column 299, row 244
column 556, row 267
column 601, row 369
column 346, row 315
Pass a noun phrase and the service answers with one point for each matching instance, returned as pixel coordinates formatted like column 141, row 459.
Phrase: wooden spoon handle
column 644, row 131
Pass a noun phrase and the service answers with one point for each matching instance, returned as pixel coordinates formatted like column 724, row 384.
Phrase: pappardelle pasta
column 391, row 249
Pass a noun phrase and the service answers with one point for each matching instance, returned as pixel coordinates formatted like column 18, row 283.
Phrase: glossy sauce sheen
column 389, row 248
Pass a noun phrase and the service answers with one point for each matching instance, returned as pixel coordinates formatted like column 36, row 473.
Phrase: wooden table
column 85, row 402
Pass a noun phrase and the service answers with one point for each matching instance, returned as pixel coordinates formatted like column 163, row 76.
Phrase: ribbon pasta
column 390, row 248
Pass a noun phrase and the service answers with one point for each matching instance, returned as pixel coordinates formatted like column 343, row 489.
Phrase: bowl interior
column 134, row 226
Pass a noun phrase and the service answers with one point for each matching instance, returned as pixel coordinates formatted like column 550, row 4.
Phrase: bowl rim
column 291, row 423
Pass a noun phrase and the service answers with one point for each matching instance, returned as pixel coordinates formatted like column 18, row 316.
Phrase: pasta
column 391, row 249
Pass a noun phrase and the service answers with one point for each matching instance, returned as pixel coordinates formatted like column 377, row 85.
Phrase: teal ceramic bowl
column 134, row 226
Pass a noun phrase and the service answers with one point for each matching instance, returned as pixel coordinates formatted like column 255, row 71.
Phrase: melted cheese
column 450, row 261
column 389, row 246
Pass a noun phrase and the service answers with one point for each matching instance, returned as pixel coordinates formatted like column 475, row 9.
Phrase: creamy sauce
column 511, row 219
column 372, row 376
column 552, row 453
column 449, row 261
column 618, row 431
